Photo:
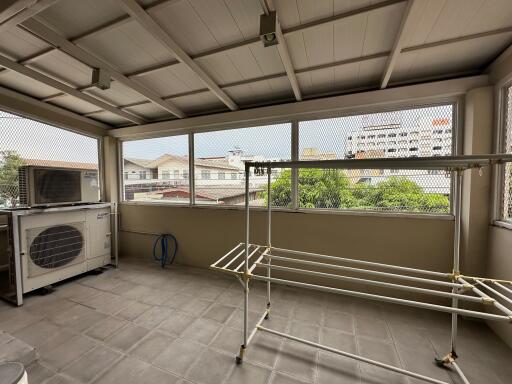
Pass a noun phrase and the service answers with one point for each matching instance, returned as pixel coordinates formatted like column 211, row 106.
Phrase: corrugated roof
column 60, row 164
column 334, row 47
column 184, row 159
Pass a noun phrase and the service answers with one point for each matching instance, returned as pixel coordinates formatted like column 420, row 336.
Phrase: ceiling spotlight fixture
column 268, row 29
column 100, row 78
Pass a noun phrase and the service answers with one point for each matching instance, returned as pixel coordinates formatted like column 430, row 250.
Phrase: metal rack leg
column 269, row 234
column 240, row 356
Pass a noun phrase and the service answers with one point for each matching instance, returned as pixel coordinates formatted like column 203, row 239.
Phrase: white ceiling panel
column 149, row 111
column 183, row 24
column 382, row 28
column 436, row 20
column 118, row 94
column 260, row 91
column 199, row 103
column 218, row 19
column 73, row 104
column 20, row 44
column 246, row 14
column 127, row 47
column 268, row 58
column 362, row 74
column 109, row 118
column 220, row 68
column 63, row 67
column 450, row 59
column 172, row 80
column 74, row 17
column 25, row 85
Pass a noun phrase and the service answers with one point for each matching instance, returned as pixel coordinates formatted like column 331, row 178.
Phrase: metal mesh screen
column 404, row 133
column 156, row 170
column 219, row 164
column 507, row 179
column 28, row 142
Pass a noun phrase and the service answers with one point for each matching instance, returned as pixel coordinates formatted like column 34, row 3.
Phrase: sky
column 274, row 141
column 32, row 139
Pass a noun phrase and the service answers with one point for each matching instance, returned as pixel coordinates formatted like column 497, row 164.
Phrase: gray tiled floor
column 141, row 324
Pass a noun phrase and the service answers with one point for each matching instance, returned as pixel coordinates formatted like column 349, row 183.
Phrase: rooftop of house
column 60, row 164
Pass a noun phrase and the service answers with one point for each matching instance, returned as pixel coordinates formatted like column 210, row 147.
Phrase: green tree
column 332, row 189
column 9, row 189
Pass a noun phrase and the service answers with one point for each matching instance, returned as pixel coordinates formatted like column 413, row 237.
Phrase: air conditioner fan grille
column 56, row 246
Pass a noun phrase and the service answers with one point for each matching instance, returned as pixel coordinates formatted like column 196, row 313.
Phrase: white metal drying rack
column 245, row 258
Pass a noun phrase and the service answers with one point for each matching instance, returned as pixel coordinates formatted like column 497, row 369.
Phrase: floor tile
column 127, row 371
column 151, row 346
column 374, row 328
column 298, row 360
column 92, row 364
column 201, row 330
column 126, row 337
column 340, row 321
column 339, row 340
column 279, row 378
column 334, row 369
column 153, row 317
column 37, row 373
column 67, row 352
column 378, row 350
column 195, row 307
column 249, row 374
column 228, row 340
column 179, row 356
column 176, row 323
column 105, row 328
column 38, row 333
column 219, row 312
column 211, row 368
column 133, row 311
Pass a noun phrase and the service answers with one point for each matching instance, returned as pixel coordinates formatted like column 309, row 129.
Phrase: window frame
column 457, row 103
column 501, row 90
column 99, row 143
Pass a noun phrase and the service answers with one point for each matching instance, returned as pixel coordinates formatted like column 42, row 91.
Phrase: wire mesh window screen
column 415, row 132
column 507, row 177
column 156, row 170
column 28, row 142
column 219, row 165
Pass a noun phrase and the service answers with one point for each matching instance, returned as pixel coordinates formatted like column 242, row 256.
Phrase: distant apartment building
column 316, row 154
column 429, row 137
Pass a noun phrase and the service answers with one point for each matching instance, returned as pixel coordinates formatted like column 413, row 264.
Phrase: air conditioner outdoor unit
column 60, row 244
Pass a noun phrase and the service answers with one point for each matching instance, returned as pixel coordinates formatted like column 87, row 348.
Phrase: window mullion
column 295, row 171
column 191, row 169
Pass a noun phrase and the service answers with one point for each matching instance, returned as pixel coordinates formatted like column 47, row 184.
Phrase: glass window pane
column 418, row 132
column 28, row 142
column 156, row 170
column 219, row 163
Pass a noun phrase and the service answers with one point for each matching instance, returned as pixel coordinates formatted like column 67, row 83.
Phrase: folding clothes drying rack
column 243, row 260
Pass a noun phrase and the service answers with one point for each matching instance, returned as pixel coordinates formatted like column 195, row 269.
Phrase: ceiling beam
column 154, row 29
column 26, row 13
column 8, row 8
column 154, row 8
column 282, row 48
column 12, row 65
column 41, row 31
column 397, row 45
column 20, row 104
column 413, row 48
